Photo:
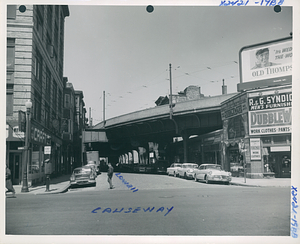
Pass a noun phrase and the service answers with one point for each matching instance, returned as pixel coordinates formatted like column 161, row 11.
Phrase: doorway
column 15, row 165
column 281, row 164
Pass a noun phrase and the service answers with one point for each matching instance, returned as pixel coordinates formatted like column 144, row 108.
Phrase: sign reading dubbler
column 270, row 112
column 266, row 64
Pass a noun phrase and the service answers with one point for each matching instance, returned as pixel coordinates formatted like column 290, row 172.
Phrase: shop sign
column 270, row 62
column 47, row 150
column 38, row 135
column 255, row 153
column 17, row 133
column 280, row 149
column 234, row 107
column 272, row 121
column 279, row 100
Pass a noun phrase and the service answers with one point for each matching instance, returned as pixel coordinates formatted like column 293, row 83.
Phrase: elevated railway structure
column 117, row 136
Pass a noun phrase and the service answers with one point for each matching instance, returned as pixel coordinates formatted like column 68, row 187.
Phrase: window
column 47, row 115
column 11, row 11
column 279, row 139
column 38, row 67
column 37, row 106
column 48, row 84
column 10, row 59
column 40, row 20
column 266, row 140
column 49, row 20
column 67, row 100
column 9, row 99
column 54, row 95
column 59, row 102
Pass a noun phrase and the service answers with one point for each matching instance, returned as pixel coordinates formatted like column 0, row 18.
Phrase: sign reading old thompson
column 270, row 113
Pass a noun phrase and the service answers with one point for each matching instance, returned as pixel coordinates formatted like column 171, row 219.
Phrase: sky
column 126, row 51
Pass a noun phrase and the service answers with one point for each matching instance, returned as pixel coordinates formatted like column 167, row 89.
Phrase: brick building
column 35, row 54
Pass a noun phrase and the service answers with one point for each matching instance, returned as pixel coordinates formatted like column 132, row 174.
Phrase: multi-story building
column 79, row 126
column 68, row 126
column 35, row 54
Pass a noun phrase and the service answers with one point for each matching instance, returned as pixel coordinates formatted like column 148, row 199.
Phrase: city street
column 163, row 205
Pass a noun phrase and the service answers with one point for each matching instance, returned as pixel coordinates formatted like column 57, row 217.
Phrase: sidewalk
column 58, row 184
column 271, row 182
column 61, row 184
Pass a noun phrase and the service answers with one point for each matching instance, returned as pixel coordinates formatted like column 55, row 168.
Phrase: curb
column 62, row 190
column 243, row 184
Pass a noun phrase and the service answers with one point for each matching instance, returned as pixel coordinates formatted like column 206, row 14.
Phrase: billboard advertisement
column 266, row 64
column 270, row 112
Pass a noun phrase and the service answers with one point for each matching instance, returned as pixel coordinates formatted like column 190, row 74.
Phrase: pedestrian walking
column 48, row 168
column 9, row 184
column 110, row 172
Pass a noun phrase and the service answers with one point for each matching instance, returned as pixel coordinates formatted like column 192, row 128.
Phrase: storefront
column 234, row 117
column 261, row 119
column 271, row 123
column 14, row 154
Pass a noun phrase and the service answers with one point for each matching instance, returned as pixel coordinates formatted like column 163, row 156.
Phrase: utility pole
column 104, row 108
column 90, row 117
column 170, row 98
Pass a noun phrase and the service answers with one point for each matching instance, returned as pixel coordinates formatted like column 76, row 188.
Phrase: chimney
column 224, row 88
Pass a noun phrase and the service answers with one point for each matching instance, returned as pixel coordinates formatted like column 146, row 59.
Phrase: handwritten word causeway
column 256, row 2
column 294, row 223
column 130, row 210
column 126, row 183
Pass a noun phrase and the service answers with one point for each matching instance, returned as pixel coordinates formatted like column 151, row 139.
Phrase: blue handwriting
column 256, row 2
column 130, row 210
column 126, row 183
column 294, row 223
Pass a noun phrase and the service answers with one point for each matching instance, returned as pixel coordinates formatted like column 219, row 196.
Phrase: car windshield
column 213, row 167
column 82, row 170
column 190, row 166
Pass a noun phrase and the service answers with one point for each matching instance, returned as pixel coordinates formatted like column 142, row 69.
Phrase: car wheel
column 195, row 178
column 206, row 180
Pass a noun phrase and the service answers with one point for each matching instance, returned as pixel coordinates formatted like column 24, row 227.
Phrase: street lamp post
column 28, row 106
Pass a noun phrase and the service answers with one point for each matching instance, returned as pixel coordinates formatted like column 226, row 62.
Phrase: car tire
column 195, row 178
column 206, row 180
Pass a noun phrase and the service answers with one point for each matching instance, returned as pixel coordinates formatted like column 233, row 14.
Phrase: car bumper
column 82, row 182
column 189, row 175
column 220, row 178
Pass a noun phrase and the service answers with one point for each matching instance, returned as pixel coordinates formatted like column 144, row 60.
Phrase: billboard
column 266, row 64
column 270, row 112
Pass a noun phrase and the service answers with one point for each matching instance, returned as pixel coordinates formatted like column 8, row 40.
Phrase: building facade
column 35, row 54
column 262, row 120
column 79, row 126
column 68, row 126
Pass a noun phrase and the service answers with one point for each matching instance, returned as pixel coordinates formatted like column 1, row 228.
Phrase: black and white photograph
column 150, row 121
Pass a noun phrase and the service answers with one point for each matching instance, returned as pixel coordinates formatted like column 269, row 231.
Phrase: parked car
column 94, row 166
column 83, row 176
column 187, row 170
column 211, row 172
column 173, row 169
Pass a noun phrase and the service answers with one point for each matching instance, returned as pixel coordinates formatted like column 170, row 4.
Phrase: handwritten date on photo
column 294, row 223
column 133, row 210
column 256, row 2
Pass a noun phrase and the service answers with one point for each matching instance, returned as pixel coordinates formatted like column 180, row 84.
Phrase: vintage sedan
column 173, row 169
column 83, row 176
column 211, row 172
column 187, row 170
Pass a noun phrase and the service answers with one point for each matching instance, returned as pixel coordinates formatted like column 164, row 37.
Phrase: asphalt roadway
column 163, row 205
